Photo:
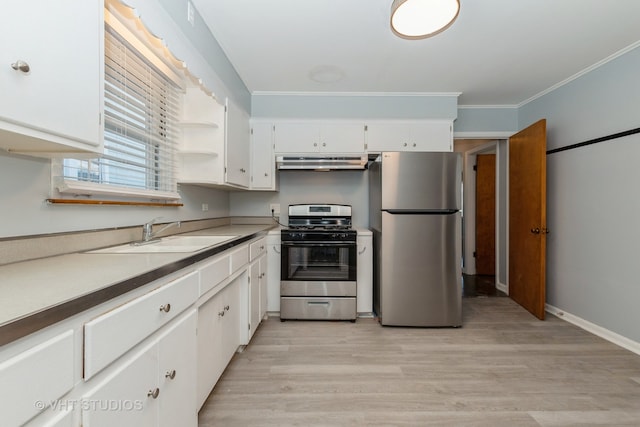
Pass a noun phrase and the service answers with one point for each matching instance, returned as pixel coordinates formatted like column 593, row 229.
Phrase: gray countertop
column 37, row 293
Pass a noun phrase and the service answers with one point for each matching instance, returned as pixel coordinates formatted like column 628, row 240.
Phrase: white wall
column 593, row 204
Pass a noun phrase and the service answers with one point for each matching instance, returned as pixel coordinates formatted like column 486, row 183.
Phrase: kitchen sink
column 166, row 244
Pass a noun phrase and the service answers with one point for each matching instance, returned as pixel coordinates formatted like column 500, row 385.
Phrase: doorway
column 485, row 243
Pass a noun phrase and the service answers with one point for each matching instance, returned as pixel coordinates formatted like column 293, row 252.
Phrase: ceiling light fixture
column 419, row 19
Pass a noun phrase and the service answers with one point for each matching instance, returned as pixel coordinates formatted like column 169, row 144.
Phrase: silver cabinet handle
column 362, row 251
column 154, row 393
column 318, row 303
column 166, row 308
column 276, row 250
column 20, row 65
column 170, row 374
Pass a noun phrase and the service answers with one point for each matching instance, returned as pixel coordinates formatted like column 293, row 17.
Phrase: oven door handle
column 321, row 244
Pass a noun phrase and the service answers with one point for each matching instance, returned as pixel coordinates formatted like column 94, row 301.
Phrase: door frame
column 500, row 147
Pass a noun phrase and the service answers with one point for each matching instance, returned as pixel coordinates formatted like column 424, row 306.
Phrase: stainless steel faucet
column 148, row 235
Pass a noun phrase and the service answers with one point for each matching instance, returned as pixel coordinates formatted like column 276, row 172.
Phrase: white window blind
column 141, row 113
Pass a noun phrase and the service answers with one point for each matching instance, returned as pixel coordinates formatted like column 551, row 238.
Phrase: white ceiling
column 498, row 52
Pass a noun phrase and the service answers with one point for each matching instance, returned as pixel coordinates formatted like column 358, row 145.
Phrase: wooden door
column 486, row 214
column 527, row 217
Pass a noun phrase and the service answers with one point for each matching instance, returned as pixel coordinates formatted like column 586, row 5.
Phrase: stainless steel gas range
column 318, row 274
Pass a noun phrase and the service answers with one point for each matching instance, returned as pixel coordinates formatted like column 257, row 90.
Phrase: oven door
column 318, row 269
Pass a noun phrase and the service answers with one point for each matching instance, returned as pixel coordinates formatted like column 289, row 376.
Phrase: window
column 141, row 113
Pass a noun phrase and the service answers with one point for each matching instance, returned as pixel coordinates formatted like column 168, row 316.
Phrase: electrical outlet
column 205, row 207
column 275, row 208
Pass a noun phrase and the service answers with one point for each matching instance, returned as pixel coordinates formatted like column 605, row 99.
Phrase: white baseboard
column 502, row 287
column 608, row 335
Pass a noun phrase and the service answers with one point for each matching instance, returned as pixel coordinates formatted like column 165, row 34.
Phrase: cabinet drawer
column 41, row 374
column 257, row 248
column 239, row 257
column 214, row 272
column 110, row 335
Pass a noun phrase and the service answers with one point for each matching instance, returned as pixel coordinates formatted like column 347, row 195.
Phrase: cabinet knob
column 266, row 174
column 20, row 65
column 154, row 393
column 170, row 374
column 315, row 144
column 414, row 144
column 165, row 308
column 226, row 308
column 324, row 144
column 405, row 144
column 221, row 313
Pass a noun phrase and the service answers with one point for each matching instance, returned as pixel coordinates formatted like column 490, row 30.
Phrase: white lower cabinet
column 36, row 378
column 273, row 271
column 218, row 336
column 364, row 303
column 155, row 386
column 257, row 292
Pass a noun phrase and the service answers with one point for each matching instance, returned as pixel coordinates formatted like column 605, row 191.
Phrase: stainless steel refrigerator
column 415, row 216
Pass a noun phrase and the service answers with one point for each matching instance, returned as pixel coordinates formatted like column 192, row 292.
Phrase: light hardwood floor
column 502, row 368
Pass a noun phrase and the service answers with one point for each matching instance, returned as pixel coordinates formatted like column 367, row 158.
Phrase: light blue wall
column 486, row 119
column 593, row 204
column 351, row 106
column 203, row 41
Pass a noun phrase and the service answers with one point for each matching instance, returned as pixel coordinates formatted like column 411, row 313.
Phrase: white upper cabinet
column 51, row 77
column 319, row 137
column 263, row 175
column 238, row 155
column 409, row 135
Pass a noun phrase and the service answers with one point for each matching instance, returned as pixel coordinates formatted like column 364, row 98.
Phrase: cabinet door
column 364, row 291
column 232, row 319
column 254, row 297
column 432, row 135
column 60, row 98
column 297, row 137
column 273, row 271
column 126, row 397
column 237, row 151
column 342, row 138
column 262, row 159
column 263, row 286
column 209, row 355
column 387, row 136
column 177, row 373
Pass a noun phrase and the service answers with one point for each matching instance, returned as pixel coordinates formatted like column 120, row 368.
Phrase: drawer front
column 214, row 273
column 317, row 308
column 257, row 248
column 239, row 257
column 33, row 379
column 109, row 336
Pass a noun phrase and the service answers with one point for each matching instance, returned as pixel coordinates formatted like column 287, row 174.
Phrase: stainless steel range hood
column 321, row 163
